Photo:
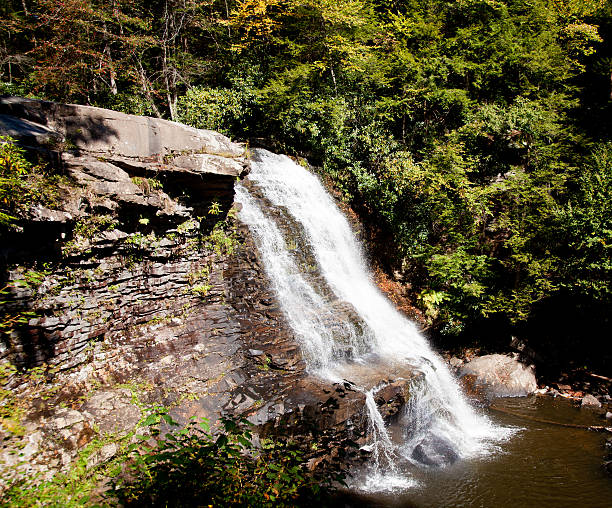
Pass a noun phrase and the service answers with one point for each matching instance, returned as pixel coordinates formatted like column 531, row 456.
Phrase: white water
column 380, row 342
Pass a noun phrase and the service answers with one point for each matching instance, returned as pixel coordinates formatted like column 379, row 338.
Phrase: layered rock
column 105, row 132
column 149, row 293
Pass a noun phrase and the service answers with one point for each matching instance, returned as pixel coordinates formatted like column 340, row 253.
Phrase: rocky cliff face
column 145, row 291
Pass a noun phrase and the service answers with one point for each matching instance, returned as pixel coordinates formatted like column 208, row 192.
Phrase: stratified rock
column 112, row 411
column 498, row 376
column 590, row 400
column 143, row 308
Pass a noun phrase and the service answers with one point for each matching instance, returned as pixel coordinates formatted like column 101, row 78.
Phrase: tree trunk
column 144, row 83
column 111, row 71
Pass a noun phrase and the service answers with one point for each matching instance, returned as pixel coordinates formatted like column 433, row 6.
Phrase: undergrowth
column 188, row 466
column 194, row 467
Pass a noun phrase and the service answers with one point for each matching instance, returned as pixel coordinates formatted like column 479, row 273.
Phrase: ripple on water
column 388, row 482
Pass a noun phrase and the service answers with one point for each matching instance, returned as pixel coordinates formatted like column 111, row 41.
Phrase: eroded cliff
column 139, row 290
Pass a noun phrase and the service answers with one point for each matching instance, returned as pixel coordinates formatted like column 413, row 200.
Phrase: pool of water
column 542, row 465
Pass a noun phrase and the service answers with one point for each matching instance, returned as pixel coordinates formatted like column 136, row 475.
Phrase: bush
column 193, row 467
column 22, row 184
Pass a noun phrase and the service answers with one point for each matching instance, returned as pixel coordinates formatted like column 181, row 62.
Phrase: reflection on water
column 542, row 466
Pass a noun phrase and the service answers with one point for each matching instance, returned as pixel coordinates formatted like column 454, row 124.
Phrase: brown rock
column 590, row 400
column 499, row 376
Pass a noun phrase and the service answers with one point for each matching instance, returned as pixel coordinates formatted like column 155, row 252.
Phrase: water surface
column 543, row 465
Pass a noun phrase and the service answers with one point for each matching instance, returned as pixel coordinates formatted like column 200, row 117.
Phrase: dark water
column 543, row 465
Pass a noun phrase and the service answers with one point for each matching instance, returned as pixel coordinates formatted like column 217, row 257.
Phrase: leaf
column 152, row 419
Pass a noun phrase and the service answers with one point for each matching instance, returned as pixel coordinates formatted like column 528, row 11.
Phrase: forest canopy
column 474, row 134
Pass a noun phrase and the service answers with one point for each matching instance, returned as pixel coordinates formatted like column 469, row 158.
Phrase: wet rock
column 434, row 451
column 455, row 363
column 392, row 398
column 590, row 400
column 498, row 376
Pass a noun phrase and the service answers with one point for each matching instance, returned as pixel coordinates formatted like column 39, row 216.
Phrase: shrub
column 193, row 467
column 22, row 184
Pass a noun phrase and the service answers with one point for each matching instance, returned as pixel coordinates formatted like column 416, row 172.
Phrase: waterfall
column 348, row 329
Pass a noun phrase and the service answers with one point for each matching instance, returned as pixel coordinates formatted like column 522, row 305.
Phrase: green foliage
column 79, row 484
column 13, row 408
column 586, row 226
column 461, row 130
column 200, row 290
column 13, row 317
column 86, row 228
column 223, row 239
column 187, row 226
column 147, row 185
column 22, row 184
column 195, row 467
column 223, row 110
column 137, row 244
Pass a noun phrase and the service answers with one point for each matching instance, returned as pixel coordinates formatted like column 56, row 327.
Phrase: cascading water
column 347, row 328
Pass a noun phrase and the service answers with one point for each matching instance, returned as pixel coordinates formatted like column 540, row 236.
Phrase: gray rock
column 26, row 131
column 105, row 453
column 113, row 410
column 455, row 362
column 206, row 163
column 434, row 451
column 40, row 213
column 609, row 415
column 590, row 400
column 498, row 376
column 103, row 131
column 65, row 419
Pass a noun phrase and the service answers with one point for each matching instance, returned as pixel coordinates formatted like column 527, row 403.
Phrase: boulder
column 455, row 363
column 590, row 400
column 498, row 376
column 434, row 451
